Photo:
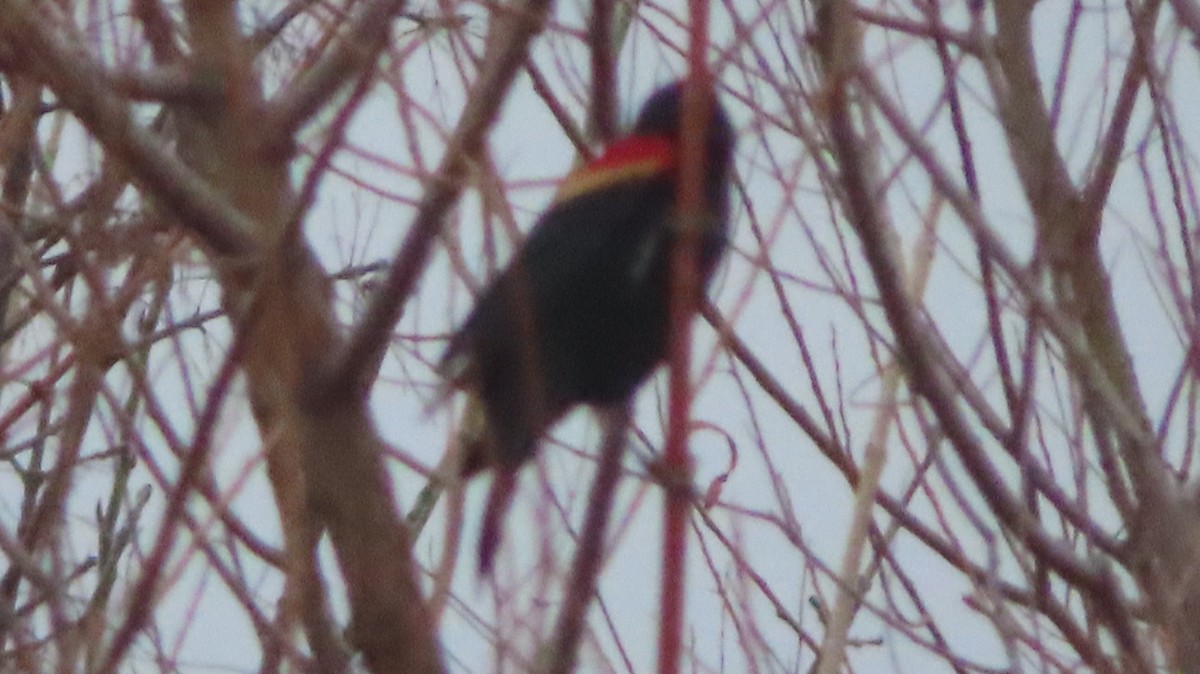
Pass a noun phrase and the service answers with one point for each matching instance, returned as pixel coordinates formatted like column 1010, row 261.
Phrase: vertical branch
column 581, row 583
column 1068, row 226
column 142, row 597
column 684, row 285
column 840, row 40
column 18, row 127
column 601, row 44
column 838, row 627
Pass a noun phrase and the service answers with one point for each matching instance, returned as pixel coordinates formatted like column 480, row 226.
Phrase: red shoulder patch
column 636, row 150
column 627, row 159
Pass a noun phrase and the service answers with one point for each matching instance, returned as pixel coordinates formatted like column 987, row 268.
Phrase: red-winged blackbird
column 581, row 315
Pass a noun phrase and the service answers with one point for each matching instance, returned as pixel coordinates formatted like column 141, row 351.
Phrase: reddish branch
column 685, row 279
column 585, row 569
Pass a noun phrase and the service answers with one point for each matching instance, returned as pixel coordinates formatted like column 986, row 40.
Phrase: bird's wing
column 621, row 193
column 581, row 232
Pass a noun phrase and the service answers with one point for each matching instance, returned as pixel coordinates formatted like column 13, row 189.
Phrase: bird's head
column 663, row 115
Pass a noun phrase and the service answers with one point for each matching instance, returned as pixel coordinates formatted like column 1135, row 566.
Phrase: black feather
column 581, row 314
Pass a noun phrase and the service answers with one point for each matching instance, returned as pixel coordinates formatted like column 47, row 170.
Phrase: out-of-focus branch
column 38, row 37
column 925, row 376
column 600, row 45
column 1164, row 530
column 682, row 305
column 581, row 583
column 1068, row 235
column 267, row 32
column 507, row 46
column 363, row 38
column 159, row 30
column 841, row 459
column 191, row 472
column 292, row 328
column 842, row 54
column 1112, row 146
column 1089, row 373
column 875, row 455
column 165, row 84
column 1188, row 12
column 18, row 132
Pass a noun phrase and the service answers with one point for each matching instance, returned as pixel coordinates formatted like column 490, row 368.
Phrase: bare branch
column 78, row 82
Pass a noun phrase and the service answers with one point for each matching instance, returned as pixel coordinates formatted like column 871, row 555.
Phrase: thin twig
column 585, row 569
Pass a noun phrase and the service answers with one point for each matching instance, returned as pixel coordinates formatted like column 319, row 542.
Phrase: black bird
column 581, row 314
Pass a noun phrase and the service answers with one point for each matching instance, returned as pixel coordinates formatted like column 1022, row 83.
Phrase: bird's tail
column 475, row 453
column 491, row 534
